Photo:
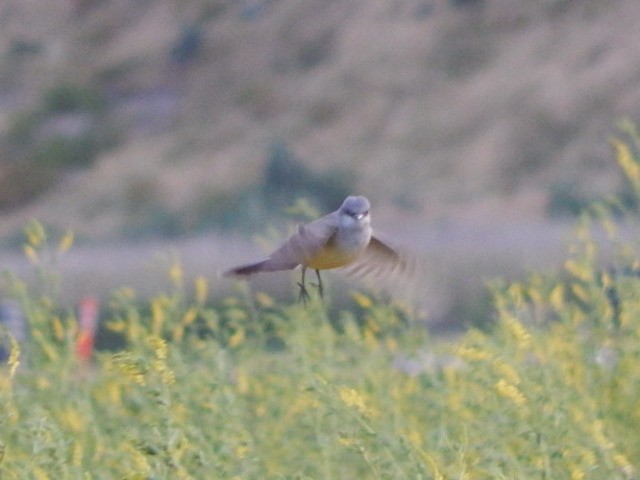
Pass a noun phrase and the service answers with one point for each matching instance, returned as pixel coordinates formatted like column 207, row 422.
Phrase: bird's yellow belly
column 330, row 257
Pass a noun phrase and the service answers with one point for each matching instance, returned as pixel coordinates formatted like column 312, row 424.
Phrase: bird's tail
column 246, row 270
column 270, row 264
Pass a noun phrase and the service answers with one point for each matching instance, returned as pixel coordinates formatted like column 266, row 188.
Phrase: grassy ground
column 251, row 388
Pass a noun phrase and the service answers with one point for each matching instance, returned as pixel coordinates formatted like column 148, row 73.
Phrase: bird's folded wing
column 305, row 243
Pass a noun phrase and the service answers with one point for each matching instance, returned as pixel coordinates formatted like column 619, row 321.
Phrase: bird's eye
column 366, row 213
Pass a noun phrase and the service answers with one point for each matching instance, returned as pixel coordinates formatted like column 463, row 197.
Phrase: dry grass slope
column 440, row 109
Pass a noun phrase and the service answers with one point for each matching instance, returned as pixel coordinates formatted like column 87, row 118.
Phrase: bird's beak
column 359, row 216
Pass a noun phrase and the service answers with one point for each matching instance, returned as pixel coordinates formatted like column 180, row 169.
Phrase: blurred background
column 157, row 129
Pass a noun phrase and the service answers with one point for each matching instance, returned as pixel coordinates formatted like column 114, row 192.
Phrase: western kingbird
column 341, row 239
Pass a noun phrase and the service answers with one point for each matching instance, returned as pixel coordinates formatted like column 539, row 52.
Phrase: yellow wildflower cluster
column 577, row 473
column 473, row 354
column 264, row 300
column 159, row 365
column 237, row 337
column 580, row 292
column 627, row 162
column 518, row 331
column 556, row 297
column 159, row 307
column 362, row 300
column 14, row 356
column 176, row 273
column 35, row 233
column 507, row 371
column 623, row 463
column 511, row 392
column 201, row 287
column 578, row 270
column 66, row 242
column 352, row 398
column 131, row 367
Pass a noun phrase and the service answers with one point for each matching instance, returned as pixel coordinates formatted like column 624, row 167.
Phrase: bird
column 341, row 239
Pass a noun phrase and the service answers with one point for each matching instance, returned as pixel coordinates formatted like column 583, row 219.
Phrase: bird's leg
column 304, row 294
column 320, row 289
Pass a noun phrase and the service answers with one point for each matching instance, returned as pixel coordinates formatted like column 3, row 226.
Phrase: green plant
column 197, row 389
column 73, row 98
column 66, row 130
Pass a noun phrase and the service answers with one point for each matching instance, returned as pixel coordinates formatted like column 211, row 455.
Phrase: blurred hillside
column 127, row 117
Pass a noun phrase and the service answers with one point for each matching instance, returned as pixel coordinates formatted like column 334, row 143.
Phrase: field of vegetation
column 248, row 388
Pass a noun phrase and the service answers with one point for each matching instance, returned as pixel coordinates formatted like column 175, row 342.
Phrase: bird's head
column 355, row 210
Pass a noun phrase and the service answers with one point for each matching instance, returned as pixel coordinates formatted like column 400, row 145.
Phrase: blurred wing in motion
column 380, row 261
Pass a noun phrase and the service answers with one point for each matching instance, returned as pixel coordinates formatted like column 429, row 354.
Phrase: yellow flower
column 117, row 326
column 241, row 451
column 40, row 474
column 345, row 440
column 473, row 354
column 202, row 289
column 159, row 346
column 414, row 438
column 237, row 338
column 72, row 420
column 114, row 394
column 557, row 297
column 35, row 233
column 581, row 272
column 14, row 356
column 176, row 273
column 511, row 392
column 30, row 253
column 577, row 473
column 130, row 367
column 351, row 398
column 264, row 300
column 77, row 454
column 58, row 329
column 372, row 324
column 44, row 344
column 370, row 338
column 506, row 370
column 157, row 314
column 600, row 437
column 189, row 316
column 518, row 331
column 66, row 242
column 392, row 344
column 178, row 333
column 437, row 474
column 623, row 464
column 242, row 382
column 627, row 162
column 362, row 300
column 580, row 292
column 43, row 383
column 160, row 364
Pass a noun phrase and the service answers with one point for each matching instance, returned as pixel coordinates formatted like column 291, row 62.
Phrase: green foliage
column 286, row 180
column 286, row 177
column 67, row 129
column 566, row 199
column 548, row 391
column 60, row 151
column 72, row 98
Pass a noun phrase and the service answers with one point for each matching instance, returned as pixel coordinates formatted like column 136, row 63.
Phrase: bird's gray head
column 355, row 209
